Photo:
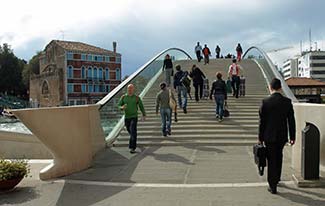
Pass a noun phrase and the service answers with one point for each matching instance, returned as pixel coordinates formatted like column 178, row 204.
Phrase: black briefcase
column 259, row 151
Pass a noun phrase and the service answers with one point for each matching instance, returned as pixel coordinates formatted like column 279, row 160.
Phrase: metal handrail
column 285, row 88
column 117, row 89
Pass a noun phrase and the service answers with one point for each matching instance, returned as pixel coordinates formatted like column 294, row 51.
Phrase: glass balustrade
column 268, row 68
column 142, row 79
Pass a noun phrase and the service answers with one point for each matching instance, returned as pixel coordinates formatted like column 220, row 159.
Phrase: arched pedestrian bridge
column 200, row 152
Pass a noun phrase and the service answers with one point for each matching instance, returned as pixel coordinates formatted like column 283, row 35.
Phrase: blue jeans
column 235, row 85
column 168, row 76
column 182, row 91
column 220, row 100
column 166, row 119
column 131, row 127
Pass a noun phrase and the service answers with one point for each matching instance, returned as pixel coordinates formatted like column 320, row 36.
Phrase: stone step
column 205, row 125
column 210, row 121
column 175, row 137
column 191, row 143
column 200, row 132
column 196, row 117
column 205, row 112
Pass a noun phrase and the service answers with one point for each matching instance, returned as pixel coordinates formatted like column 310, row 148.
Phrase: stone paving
column 203, row 175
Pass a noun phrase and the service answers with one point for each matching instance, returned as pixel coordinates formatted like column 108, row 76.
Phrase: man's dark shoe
column 165, row 134
column 272, row 190
column 185, row 111
column 169, row 132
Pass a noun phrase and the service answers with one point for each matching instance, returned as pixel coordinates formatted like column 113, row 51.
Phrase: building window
column 100, row 73
column 108, row 88
column 118, row 74
column 83, row 88
column 96, row 88
column 313, row 72
column 83, row 57
column 83, row 72
column 80, row 102
column 317, row 64
column 118, row 59
column 70, row 88
column 89, row 57
column 90, row 88
column 107, row 74
column 95, row 58
column 69, row 56
column 90, row 72
column 95, row 75
column 100, row 58
column 71, row 102
column 70, row 72
column 106, row 58
column 45, row 88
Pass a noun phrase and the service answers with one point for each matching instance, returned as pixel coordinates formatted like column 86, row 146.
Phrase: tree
column 10, row 72
column 33, row 64
column 31, row 68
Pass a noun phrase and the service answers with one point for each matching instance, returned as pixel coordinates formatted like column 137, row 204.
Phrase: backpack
column 232, row 68
column 185, row 80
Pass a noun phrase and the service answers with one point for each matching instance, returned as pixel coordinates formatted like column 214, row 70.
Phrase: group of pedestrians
column 276, row 112
column 207, row 53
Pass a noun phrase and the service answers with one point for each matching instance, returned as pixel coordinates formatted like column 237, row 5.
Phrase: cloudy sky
column 143, row 28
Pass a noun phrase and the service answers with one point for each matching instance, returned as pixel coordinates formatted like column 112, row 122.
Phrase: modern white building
column 290, row 68
column 312, row 65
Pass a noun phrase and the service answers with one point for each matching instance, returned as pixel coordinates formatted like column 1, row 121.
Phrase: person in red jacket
column 239, row 51
column 206, row 52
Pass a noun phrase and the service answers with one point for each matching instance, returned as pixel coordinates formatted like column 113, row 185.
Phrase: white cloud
column 279, row 57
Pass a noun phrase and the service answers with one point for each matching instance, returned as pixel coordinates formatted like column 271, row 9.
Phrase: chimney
column 114, row 46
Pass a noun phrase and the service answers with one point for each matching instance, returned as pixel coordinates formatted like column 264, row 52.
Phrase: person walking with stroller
column 242, row 87
column 229, row 85
column 180, row 88
column 168, row 69
column 198, row 50
column 198, row 78
column 219, row 91
column 206, row 52
column 163, row 103
column 233, row 72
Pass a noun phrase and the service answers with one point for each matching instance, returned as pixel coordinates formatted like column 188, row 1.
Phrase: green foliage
column 12, row 169
column 11, row 72
column 33, row 64
column 31, row 68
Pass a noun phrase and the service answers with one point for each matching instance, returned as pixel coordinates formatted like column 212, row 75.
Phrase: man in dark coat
column 198, row 77
column 276, row 114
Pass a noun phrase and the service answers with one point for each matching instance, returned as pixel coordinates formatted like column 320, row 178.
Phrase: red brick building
column 75, row 73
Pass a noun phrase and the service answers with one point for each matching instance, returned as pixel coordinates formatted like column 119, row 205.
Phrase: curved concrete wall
column 73, row 135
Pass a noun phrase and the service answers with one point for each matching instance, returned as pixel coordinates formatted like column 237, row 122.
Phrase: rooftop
column 82, row 47
column 303, row 81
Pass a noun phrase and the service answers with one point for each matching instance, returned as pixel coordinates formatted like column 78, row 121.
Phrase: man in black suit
column 276, row 114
